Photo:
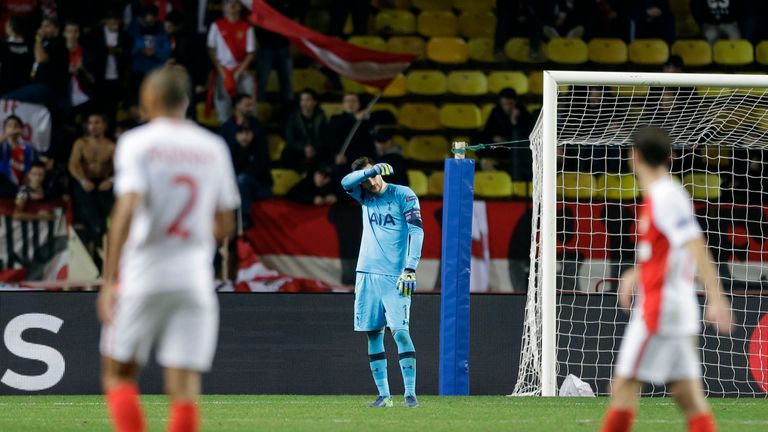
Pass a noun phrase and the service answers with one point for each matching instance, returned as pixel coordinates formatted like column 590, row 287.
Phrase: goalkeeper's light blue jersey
column 392, row 227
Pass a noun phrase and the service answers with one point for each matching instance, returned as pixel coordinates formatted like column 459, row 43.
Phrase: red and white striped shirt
column 232, row 41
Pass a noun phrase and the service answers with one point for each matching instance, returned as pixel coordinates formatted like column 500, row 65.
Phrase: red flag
column 371, row 67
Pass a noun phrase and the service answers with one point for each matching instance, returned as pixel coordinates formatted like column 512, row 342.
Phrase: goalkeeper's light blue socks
column 378, row 361
column 407, row 354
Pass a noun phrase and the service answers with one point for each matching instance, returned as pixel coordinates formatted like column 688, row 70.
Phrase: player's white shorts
column 184, row 324
column 657, row 359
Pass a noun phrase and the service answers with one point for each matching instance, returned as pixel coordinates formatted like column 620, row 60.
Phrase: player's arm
column 356, row 178
column 223, row 225
column 74, row 165
column 412, row 213
column 627, row 287
column 717, row 309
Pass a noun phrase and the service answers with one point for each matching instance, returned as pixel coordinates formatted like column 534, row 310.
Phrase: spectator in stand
column 316, row 188
column 389, row 152
column 15, row 57
column 305, row 133
column 611, row 20
column 652, row 19
column 274, row 54
column 16, row 156
column 358, row 9
column 508, row 121
column 182, row 43
column 81, row 79
column 150, row 47
column 252, row 167
column 521, row 18
column 232, row 48
column 91, row 166
column 244, row 114
column 109, row 50
column 568, row 18
column 164, row 8
column 339, row 128
column 718, row 18
column 33, row 190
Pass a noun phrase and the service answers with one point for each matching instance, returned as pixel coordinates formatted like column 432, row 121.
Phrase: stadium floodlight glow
column 582, row 184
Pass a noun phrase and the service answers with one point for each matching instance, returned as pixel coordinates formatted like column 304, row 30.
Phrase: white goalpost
column 584, row 206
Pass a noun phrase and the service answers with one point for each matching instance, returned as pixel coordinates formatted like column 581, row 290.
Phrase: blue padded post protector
column 455, row 265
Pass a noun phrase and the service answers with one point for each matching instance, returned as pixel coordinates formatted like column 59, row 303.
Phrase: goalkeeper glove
column 406, row 283
column 380, row 169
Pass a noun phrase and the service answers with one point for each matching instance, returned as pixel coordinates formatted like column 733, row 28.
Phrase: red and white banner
column 36, row 119
column 370, row 67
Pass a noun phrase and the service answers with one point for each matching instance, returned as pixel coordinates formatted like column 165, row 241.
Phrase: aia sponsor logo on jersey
column 381, row 219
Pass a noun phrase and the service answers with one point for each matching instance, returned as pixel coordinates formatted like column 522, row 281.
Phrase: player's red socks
column 184, row 418
column 701, row 423
column 124, row 407
column 617, row 420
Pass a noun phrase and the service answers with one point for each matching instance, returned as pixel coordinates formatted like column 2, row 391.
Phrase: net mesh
column 719, row 138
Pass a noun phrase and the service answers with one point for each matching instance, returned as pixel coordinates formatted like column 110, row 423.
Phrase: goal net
column 586, row 200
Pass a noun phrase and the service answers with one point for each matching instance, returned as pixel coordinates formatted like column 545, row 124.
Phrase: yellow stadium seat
column 276, row 144
column 392, row 108
column 450, row 50
column 407, row 45
column 309, row 78
column 418, row 182
column 607, row 51
column 396, row 88
column 264, row 112
column 460, row 116
column 702, row 186
column 273, row 85
column 568, row 51
column 477, row 24
column 518, row 49
column 485, row 111
column 419, row 116
column 370, row 42
column 350, row 86
column 331, row 109
column 475, row 5
column 428, row 148
column 395, row 21
column 426, row 82
column 576, row 185
column 536, row 83
column 630, row 91
column 761, row 52
column 438, row 23
column 467, row 83
column 499, row 80
column 481, row 50
column 694, row 52
column 679, row 6
column 493, row 184
column 210, row 120
column 733, row 52
column 433, row 5
column 521, row 189
column 648, row 51
column 436, row 183
column 618, row 186
column 283, row 180
column 533, row 107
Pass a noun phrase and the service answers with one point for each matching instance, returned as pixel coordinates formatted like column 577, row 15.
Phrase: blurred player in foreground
column 660, row 342
column 176, row 194
column 386, row 271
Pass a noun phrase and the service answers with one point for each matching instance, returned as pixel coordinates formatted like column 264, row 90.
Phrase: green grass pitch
column 348, row 413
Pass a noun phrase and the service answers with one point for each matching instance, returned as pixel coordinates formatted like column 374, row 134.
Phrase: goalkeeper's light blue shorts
column 378, row 303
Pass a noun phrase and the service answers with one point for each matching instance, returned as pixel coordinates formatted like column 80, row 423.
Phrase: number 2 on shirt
column 176, row 229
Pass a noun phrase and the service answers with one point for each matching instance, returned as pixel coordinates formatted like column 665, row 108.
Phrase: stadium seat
column 436, row 183
column 407, row 45
column 702, row 186
column 419, row 116
column 680, row 6
column 428, row 148
column 460, row 116
column 273, row 85
column 694, row 52
column 518, row 49
column 477, row 24
column 264, row 112
column 607, row 51
column 499, row 80
column 370, row 42
column 618, row 187
column 648, row 51
column 485, row 111
column 208, row 119
column 475, row 5
column 438, row 24
column 520, row 189
column 418, row 182
column 761, row 52
column 576, row 185
column 467, row 83
column 331, row 109
column 449, row 50
column 426, row 82
column 396, row 88
column 568, row 51
column 392, row 108
column 481, row 50
column 630, row 91
column 395, row 21
column 536, row 83
column 493, row 184
column 276, row 144
column 733, row 52
column 283, row 180
column 433, row 5
column 309, row 78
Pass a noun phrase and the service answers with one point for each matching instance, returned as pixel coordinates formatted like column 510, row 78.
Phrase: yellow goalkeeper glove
column 406, row 283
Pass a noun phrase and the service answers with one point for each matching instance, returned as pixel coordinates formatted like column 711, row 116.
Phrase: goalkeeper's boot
column 411, row 402
column 381, row 402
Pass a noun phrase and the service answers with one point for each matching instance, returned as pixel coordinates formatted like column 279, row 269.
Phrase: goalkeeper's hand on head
column 406, row 283
column 380, row 169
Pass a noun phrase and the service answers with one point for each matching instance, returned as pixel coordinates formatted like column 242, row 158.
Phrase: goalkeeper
column 386, row 270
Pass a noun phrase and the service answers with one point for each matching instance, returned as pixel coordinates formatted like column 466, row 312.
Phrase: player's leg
column 122, row 392
column 623, row 405
column 689, row 396
column 398, row 309
column 183, row 388
column 378, row 362
column 369, row 317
